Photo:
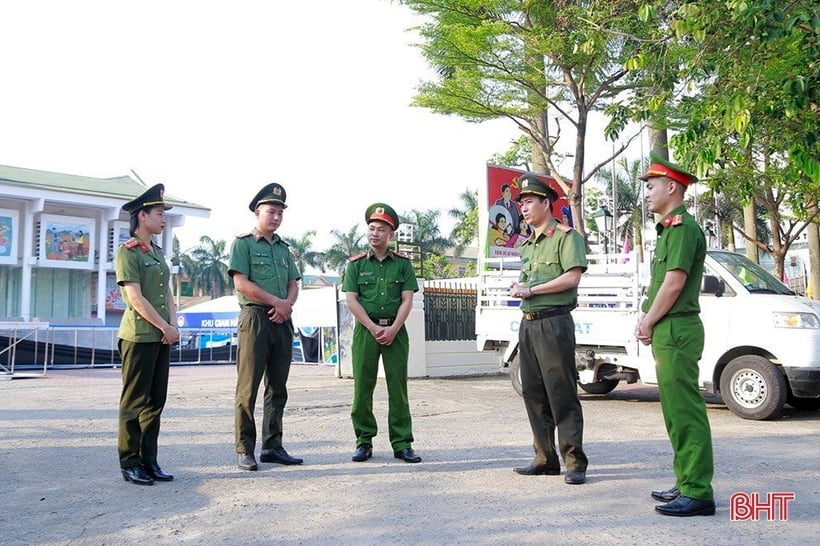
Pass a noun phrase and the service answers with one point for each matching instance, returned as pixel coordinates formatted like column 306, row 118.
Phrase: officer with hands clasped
column 553, row 259
column 265, row 276
column 379, row 286
column 145, row 335
column 672, row 325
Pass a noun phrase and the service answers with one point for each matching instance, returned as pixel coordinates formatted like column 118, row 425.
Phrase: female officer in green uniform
column 146, row 334
column 672, row 325
column 379, row 286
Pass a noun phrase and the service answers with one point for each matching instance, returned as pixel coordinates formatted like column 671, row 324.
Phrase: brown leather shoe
column 537, row 470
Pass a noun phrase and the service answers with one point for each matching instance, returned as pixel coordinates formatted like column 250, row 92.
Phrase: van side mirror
column 713, row 285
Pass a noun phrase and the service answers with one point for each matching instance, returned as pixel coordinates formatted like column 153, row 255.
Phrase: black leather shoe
column 537, row 470
column 247, row 461
column 137, row 475
column 407, row 455
column 666, row 496
column 279, row 455
column 685, row 507
column 156, row 473
column 575, row 477
column 363, row 452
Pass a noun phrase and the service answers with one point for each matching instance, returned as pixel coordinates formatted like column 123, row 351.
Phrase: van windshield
column 756, row 279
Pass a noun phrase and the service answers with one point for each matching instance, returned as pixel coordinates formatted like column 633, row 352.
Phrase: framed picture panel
column 9, row 235
column 66, row 241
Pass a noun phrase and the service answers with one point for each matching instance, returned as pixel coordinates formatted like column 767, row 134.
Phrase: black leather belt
column 383, row 321
column 259, row 306
column 547, row 313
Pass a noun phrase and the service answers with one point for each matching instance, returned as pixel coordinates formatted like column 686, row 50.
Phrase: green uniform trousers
column 366, row 352
column 677, row 345
column 546, row 350
column 145, row 369
column 264, row 349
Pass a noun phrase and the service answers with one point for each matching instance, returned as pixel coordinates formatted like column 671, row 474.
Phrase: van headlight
column 795, row 320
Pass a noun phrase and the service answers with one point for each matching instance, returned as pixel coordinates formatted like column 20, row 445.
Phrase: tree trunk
column 814, row 257
column 750, row 227
column 659, row 142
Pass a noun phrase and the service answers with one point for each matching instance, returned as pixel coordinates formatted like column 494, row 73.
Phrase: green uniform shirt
column 681, row 245
column 379, row 283
column 268, row 265
column 546, row 257
column 142, row 263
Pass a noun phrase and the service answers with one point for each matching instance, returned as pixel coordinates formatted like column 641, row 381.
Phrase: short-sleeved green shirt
column 144, row 264
column 546, row 257
column 681, row 245
column 379, row 284
column 270, row 265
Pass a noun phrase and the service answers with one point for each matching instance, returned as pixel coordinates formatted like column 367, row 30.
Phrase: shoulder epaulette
column 675, row 220
column 357, row 256
column 243, row 235
column 133, row 242
column 400, row 255
column 563, row 227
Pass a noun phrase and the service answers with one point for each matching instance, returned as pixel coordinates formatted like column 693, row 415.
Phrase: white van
column 762, row 346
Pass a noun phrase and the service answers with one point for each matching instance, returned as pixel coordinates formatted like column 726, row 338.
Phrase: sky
column 215, row 99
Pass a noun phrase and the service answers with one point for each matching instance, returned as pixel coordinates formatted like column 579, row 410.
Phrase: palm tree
column 345, row 245
column 465, row 231
column 628, row 205
column 211, row 270
column 302, row 254
column 428, row 237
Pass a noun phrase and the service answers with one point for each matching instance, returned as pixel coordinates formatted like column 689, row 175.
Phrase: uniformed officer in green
column 672, row 325
column 146, row 334
column 265, row 276
column 379, row 286
column 553, row 259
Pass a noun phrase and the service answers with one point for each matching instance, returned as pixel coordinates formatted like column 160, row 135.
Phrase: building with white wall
column 58, row 233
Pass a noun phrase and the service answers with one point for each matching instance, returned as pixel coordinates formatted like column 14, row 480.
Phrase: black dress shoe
column 407, row 455
column 247, row 461
column 686, row 506
column 575, row 477
column 537, row 470
column 666, row 496
column 363, row 452
column 279, row 455
column 137, row 475
column 156, row 473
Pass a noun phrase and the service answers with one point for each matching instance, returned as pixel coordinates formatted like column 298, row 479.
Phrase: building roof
column 120, row 188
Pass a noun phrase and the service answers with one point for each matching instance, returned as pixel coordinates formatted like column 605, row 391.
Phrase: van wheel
column 753, row 388
column 515, row 375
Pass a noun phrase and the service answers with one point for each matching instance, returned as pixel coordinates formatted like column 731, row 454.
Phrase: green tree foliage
column 210, row 268
column 745, row 108
column 344, row 246
column 465, row 230
column 302, row 253
column 543, row 65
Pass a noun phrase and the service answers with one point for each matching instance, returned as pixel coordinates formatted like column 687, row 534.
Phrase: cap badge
column 277, row 191
column 379, row 210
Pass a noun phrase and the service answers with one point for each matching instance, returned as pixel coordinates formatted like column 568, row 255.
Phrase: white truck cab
column 762, row 344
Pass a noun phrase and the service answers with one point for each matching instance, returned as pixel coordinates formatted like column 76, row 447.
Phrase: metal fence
column 449, row 311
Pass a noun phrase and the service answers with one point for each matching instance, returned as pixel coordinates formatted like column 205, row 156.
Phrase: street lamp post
column 603, row 221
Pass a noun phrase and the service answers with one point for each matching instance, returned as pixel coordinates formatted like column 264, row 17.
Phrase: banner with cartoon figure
column 507, row 229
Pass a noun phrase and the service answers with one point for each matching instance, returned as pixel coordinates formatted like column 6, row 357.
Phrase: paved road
column 61, row 485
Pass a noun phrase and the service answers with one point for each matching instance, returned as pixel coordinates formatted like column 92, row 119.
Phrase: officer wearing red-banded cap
column 672, row 325
column 379, row 286
column 265, row 275
column 552, row 261
column 146, row 333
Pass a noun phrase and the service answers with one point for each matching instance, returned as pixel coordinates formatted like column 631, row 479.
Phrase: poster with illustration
column 66, row 241
column 9, row 226
column 507, row 229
